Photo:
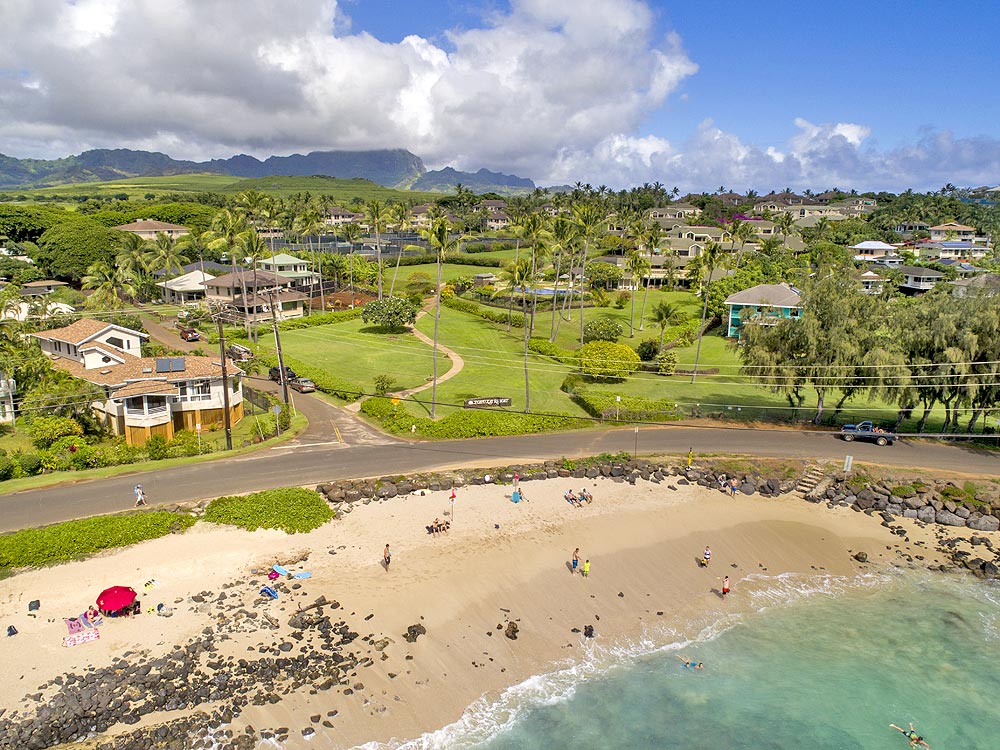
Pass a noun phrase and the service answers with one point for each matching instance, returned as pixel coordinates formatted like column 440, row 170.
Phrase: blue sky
column 884, row 94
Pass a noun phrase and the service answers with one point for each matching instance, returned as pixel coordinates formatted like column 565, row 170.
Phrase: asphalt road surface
column 305, row 463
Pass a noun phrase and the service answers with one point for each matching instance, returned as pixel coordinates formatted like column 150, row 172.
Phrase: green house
column 764, row 304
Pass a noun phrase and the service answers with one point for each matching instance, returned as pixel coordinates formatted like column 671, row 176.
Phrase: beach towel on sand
column 82, row 637
column 302, row 574
column 73, row 625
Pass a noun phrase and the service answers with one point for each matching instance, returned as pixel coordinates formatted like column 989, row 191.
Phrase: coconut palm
column 227, row 225
column 165, row 256
column 376, row 216
column 638, row 265
column 666, row 315
column 561, row 243
column 399, row 217
column 784, row 223
column 111, row 284
column 443, row 242
column 352, row 233
column 520, row 276
column 710, row 260
column 590, row 219
column 132, row 261
column 253, row 249
column 651, row 239
column 309, row 223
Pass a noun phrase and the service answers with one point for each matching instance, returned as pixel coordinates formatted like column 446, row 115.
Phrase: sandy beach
column 500, row 563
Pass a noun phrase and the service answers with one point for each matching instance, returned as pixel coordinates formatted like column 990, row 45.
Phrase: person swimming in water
column 692, row 665
column 915, row 739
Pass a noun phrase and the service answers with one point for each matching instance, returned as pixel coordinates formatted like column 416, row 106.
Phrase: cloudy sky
column 873, row 95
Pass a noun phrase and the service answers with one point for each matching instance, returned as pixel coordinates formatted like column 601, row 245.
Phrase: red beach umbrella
column 115, row 598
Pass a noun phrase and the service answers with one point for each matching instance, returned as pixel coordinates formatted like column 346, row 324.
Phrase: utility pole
column 272, row 294
column 225, row 386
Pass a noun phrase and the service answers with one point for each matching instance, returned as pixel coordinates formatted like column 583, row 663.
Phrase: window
column 116, row 342
column 194, row 390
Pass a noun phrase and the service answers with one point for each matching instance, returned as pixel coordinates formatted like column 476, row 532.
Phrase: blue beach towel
column 303, row 574
column 281, row 571
column 269, row 592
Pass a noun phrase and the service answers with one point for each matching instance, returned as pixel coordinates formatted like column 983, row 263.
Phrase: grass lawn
column 351, row 351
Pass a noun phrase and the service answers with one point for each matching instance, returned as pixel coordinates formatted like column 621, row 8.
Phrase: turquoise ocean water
column 822, row 664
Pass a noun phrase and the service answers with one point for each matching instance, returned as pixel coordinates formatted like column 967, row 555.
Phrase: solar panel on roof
column 177, row 364
column 162, row 365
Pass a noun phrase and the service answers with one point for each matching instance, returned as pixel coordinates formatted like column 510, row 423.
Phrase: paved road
column 310, row 462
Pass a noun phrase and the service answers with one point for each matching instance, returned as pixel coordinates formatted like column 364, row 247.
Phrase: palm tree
column 132, row 262
column 651, row 240
column 590, row 219
column 165, row 256
column 563, row 235
column 784, row 223
column 376, row 217
column 533, row 229
column 227, row 225
column 639, row 267
column 111, row 285
column 520, row 275
column 309, row 223
column 710, row 260
column 352, row 233
column 666, row 315
column 253, row 248
column 399, row 217
column 439, row 237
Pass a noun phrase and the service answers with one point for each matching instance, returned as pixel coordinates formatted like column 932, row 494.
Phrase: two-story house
column 952, row 230
column 145, row 396
column 295, row 269
column 918, row 280
column 228, row 289
column 338, row 217
column 188, row 287
column 764, row 304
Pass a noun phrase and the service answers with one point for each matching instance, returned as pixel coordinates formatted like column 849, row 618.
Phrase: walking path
column 457, row 363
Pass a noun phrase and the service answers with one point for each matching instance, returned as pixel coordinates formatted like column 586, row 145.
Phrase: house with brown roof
column 149, row 228
column 145, row 396
column 228, row 289
column 338, row 217
column 952, row 230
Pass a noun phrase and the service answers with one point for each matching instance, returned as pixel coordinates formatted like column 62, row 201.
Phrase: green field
column 341, row 190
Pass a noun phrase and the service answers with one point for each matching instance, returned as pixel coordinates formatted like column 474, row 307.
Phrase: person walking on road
column 140, row 495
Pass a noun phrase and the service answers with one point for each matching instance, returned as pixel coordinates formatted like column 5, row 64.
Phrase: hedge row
column 75, row 539
column 630, row 409
column 320, row 319
column 491, row 314
column 291, row 509
column 548, row 349
column 465, row 424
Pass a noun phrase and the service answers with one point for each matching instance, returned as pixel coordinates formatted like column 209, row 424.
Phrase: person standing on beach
column 517, row 479
column 576, row 559
column 690, row 457
column 725, row 587
column 586, row 568
column 387, row 557
column 707, row 558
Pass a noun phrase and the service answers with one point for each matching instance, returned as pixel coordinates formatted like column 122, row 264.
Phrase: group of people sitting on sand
column 438, row 527
column 578, row 500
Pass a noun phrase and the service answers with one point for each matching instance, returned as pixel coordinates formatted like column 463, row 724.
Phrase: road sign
column 276, row 409
column 198, row 427
column 395, row 402
column 478, row 403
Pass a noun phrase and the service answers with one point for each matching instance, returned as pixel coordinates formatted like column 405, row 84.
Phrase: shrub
column 603, row 360
column 291, row 509
column 47, row 430
column 314, row 319
column 548, row 349
column 6, row 468
column 622, row 298
column 647, row 350
column 602, row 329
column 184, row 443
column 31, row 463
column 384, row 384
column 156, row 448
column 75, row 539
column 903, row 490
column 682, row 335
column 629, row 409
column 493, row 315
column 465, row 424
column 571, row 383
column 666, row 362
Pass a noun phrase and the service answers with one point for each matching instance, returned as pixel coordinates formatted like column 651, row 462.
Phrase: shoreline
column 643, row 541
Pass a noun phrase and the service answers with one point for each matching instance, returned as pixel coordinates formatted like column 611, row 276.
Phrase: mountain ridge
column 394, row 168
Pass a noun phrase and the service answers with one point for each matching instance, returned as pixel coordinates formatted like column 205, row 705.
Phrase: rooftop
column 773, row 295
column 83, row 330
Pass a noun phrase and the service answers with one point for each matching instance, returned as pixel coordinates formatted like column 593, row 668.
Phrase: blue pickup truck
column 868, row 432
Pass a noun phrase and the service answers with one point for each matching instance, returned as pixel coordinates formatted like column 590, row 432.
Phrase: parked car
column 868, row 432
column 190, row 334
column 239, row 353
column 303, row 385
column 275, row 374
